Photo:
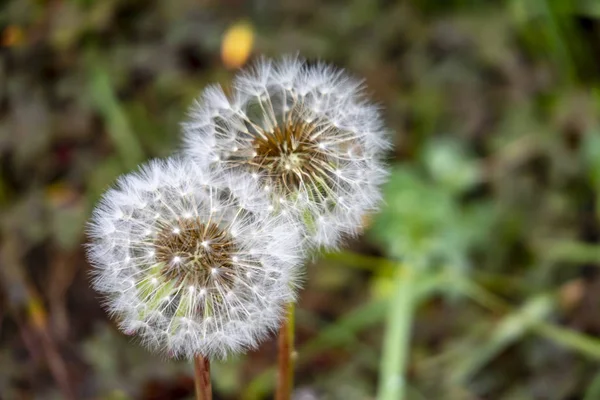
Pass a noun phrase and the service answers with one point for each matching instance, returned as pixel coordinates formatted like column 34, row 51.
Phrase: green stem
column 394, row 359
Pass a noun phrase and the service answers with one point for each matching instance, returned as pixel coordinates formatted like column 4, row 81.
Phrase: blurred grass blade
column 343, row 332
column 570, row 251
column 570, row 339
column 591, row 154
column 395, row 351
column 590, row 8
column 105, row 101
column 529, row 319
column 510, row 329
column 361, row 261
column 593, row 391
column 584, row 344
column 544, row 25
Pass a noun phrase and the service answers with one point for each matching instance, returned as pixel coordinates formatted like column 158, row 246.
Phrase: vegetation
column 489, row 236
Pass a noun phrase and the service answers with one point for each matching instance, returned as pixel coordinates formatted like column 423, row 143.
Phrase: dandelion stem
column 202, row 378
column 286, row 355
column 394, row 358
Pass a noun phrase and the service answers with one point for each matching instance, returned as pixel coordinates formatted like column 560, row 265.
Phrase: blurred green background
column 494, row 196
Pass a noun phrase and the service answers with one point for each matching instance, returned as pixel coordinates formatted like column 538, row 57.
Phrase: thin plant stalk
column 396, row 345
column 202, row 378
column 286, row 356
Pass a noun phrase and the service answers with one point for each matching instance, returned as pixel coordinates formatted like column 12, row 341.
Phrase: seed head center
column 288, row 154
column 192, row 251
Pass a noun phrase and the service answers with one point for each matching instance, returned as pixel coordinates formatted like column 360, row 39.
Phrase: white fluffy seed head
column 306, row 133
column 191, row 287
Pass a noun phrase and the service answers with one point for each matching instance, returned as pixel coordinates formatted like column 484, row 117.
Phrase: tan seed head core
column 194, row 251
column 290, row 155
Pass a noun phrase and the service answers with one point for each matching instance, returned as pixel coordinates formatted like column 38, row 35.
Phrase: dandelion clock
column 306, row 134
column 192, row 262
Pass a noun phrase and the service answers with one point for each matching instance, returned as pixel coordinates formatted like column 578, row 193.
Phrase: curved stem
column 286, row 355
column 202, row 378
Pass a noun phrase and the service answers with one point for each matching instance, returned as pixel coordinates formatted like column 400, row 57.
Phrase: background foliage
column 494, row 196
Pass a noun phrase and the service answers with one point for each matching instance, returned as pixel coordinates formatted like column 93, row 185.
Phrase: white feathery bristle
column 307, row 134
column 191, row 261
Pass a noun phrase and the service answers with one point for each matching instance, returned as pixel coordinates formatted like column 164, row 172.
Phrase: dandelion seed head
column 306, row 133
column 170, row 287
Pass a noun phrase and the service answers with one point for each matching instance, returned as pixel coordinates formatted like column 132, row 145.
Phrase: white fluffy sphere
column 190, row 261
column 306, row 133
